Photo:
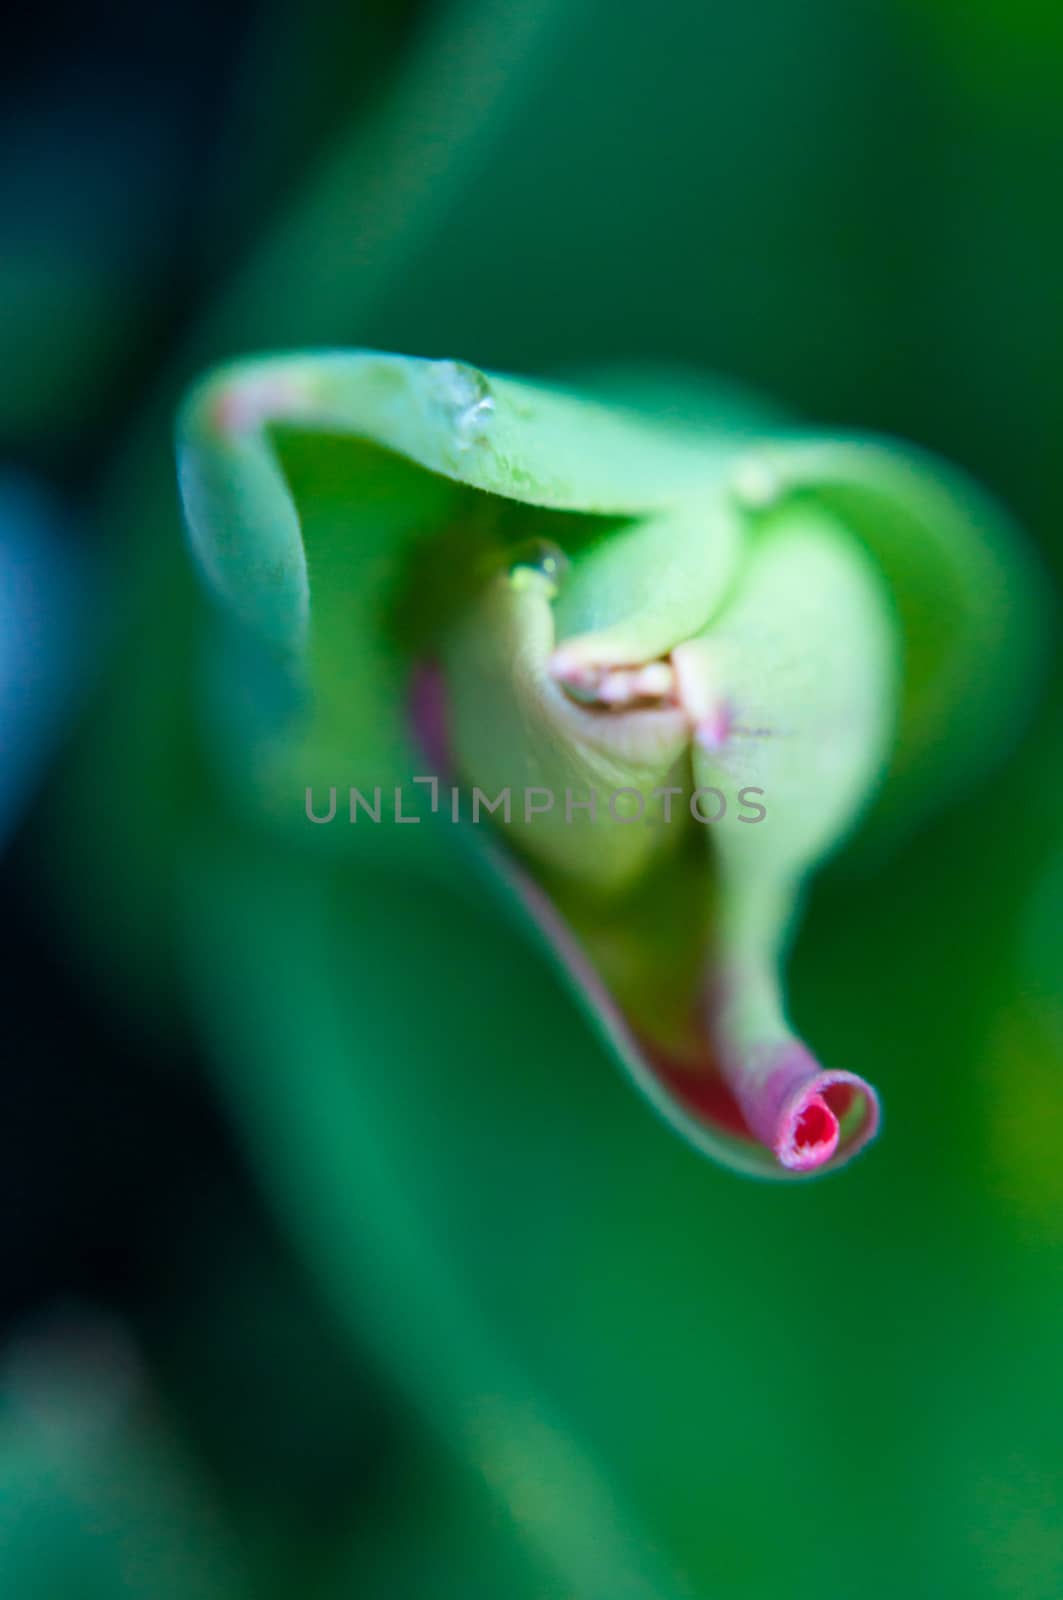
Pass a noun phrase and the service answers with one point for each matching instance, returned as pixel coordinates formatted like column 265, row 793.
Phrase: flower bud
column 690, row 652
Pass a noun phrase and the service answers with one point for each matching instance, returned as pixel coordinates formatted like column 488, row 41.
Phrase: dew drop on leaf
column 466, row 396
column 538, row 561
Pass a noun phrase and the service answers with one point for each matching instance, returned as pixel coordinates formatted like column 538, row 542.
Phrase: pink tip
column 245, row 404
column 810, row 1137
column 803, row 1113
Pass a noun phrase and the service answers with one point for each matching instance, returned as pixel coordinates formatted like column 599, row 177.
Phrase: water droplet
column 538, row 561
column 466, row 394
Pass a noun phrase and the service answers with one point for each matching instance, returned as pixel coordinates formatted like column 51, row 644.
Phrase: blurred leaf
column 97, row 1497
column 44, row 635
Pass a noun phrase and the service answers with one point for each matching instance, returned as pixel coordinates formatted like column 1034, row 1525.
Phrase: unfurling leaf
column 663, row 660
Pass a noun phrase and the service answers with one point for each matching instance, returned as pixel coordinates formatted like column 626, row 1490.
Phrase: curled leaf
column 667, row 659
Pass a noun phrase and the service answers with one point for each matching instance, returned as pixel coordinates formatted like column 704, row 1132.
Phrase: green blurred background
column 338, row 1260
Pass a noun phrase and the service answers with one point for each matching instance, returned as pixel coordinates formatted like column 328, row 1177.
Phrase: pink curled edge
column 800, row 1110
column 777, row 1115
